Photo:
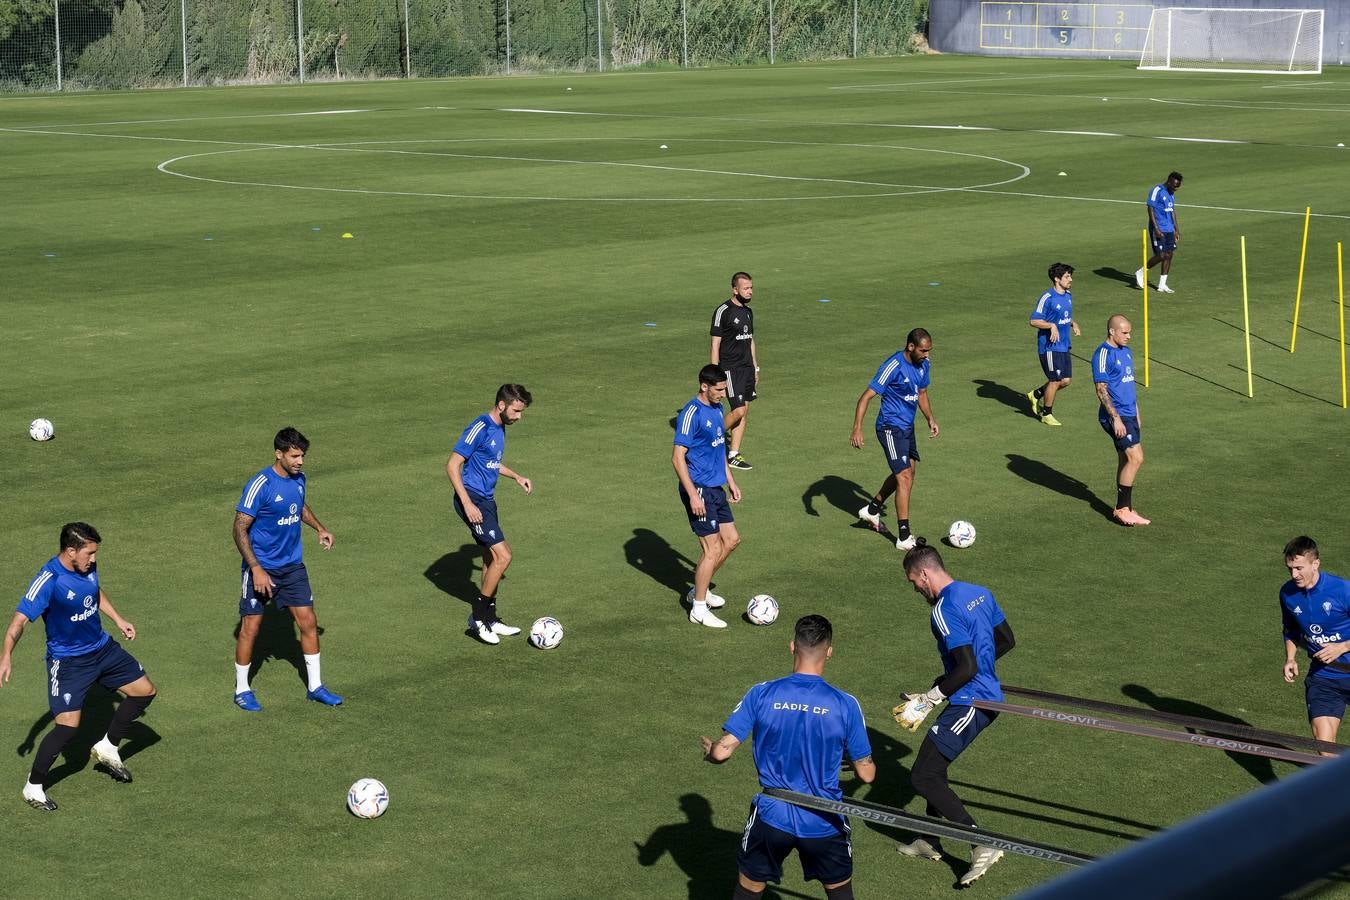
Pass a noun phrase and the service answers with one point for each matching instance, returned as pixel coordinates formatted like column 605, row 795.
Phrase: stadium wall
column 1093, row 30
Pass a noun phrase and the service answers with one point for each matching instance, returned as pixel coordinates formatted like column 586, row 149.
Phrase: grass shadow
column 1167, row 365
column 841, row 493
column 655, row 557
column 705, row 853
column 455, row 572
column 277, row 639
column 1253, row 334
column 1292, row 390
column 1039, row 473
column 1009, row 397
column 1258, row 767
column 1111, row 273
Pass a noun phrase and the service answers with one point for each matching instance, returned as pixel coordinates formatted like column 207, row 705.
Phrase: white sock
column 1162, row 281
column 240, row 678
column 312, row 667
column 700, row 607
column 107, row 742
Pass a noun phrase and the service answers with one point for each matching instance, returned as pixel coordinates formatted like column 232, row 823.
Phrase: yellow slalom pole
column 1144, row 234
column 1246, row 319
column 1340, row 294
column 1298, row 294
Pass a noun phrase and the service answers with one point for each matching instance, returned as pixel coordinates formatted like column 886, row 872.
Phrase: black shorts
column 763, row 849
column 1057, row 365
column 290, row 587
column 740, row 386
column 487, row 532
column 1162, row 241
column 71, row 678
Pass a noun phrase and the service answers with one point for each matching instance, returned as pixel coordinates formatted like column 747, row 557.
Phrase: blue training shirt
column 899, row 381
column 966, row 615
column 1160, row 198
column 802, row 725
column 1114, row 366
column 699, row 428
column 482, row 445
column 1318, row 616
column 275, row 502
column 68, row 604
column 1057, row 308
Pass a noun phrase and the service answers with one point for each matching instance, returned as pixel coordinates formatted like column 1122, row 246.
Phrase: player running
column 67, row 595
column 1316, row 609
column 971, row 633
column 1053, row 320
column 902, row 382
column 802, row 727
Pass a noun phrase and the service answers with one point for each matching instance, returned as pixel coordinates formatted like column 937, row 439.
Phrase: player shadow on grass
column 705, row 853
column 97, row 713
column 1058, row 821
column 1037, row 472
column 1010, row 397
column 653, row 556
column 1258, row 767
column 844, row 495
column 1111, row 273
column 277, row 639
column 456, row 574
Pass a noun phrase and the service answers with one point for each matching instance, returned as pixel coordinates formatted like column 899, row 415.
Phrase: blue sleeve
column 1038, row 311
column 877, row 383
column 35, row 600
column 856, row 741
column 925, row 375
column 1154, row 200
column 741, row 722
column 687, row 427
column 1101, row 365
column 464, row 446
column 996, row 616
column 254, row 496
column 955, row 628
column 1291, row 630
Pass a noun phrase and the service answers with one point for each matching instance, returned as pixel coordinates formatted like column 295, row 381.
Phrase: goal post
column 1286, row 41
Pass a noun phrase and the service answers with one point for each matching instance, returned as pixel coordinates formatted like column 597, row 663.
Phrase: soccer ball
column 41, row 430
column 762, row 609
column 546, row 633
column 368, row 798
column 961, row 534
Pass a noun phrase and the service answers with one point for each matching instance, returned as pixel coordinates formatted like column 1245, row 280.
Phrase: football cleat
column 1139, row 278
column 1035, row 403
column 322, row 694
column 736, row 461
column 111, row 761
column 483, row 632
column 713, row 600
column 981, row 858
column 246, row 701
column 1049, row 419
column 1164, row 289
column 37, row 798
column 919, row 849
column 706, row 618
column 500, row 627
column 906, row 543
column 871, row 518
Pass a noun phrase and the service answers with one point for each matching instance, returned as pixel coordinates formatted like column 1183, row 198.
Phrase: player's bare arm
column 1103, row 395
column 262, row 582
column 682, row 472
column 927, row 411
column 1332, row 652
column 720, row 750
column 325, row 536
column 1290, row 661
column 1045, row 325
column 455, row 469
column 866, row 769
column 105, row 606
column 1073, row 326
column 12, row 635
column 859, row 411
column 517, row 478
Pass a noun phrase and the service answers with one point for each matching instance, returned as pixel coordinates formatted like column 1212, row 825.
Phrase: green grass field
column 169, row 325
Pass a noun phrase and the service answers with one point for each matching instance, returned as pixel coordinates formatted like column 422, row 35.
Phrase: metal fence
column 91, row 44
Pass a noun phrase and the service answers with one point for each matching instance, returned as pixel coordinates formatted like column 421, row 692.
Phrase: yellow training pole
column 1144, row 234
column 1246, row 319
column 1340, row 294
column 1298, row 294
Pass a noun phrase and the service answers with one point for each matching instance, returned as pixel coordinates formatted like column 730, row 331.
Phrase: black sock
column 1124, row 496
column 48, row 751
column 492, row 610
column 1039, row 392
column 744, row 893
column 875, row 506
column 904, row 528
column 482, row 607
column 1046, row 410
column 130, row 709
column 842, row 892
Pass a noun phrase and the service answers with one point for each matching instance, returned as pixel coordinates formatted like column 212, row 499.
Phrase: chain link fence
column 50, row 45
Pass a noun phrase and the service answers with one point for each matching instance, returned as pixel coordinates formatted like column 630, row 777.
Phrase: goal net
column 1234, row 40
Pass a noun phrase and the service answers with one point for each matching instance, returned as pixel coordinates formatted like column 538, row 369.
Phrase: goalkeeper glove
column 916, row 707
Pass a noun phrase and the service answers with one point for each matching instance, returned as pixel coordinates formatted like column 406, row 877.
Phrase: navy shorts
column 1162, row 241
column 1326, row 696
column 716, row 510
column 1057, row 365
column 290, row 588
column 763, row 849
column 901, row 450
column 487, row 532
column 957, row 726
column 740, row 386
column 1132, row 435
column 69, row 679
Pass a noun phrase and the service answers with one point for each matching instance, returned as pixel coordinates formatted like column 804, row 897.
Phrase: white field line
column 317, row 112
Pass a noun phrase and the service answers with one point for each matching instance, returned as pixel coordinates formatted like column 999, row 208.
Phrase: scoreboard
column 1100, row 29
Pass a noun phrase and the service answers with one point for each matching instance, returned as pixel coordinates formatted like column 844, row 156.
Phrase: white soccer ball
column 41, row 429
column 762, row 609
column 546, row 633
column 961, row 534
column 368, row 798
